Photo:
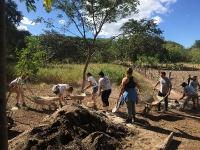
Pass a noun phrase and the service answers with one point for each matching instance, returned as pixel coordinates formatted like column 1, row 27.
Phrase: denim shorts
column 95, row 89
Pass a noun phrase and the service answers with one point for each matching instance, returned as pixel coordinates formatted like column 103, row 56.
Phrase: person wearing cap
column 62, row 90
column 194, row 82
column 191, row 94
column 165, row 88
column 94, row 85
column 104, row 90
column 128, row 94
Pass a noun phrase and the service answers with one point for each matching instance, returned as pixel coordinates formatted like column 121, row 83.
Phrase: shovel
column 116, row 107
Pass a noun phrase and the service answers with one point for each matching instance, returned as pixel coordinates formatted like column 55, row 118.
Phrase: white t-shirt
column 94, row 82
column 18, row 80
column 164, row 85
column 104, row 82
column 62, row 89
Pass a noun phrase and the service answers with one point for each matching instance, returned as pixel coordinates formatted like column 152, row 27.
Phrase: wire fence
column 176, row 76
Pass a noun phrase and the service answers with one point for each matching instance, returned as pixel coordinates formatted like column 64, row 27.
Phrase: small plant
column 30, row 58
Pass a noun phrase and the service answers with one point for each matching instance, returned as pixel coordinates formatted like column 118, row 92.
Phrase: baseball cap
column 194, row 76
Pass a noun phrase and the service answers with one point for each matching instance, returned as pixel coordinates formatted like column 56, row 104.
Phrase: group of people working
column 128, row 93
column 189, row 90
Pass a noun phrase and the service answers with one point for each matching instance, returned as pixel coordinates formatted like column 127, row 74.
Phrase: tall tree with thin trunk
column 3, row 121
column 89, row 17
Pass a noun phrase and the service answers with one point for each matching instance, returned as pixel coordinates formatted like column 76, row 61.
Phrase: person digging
column 62, row 90
column 191, row 94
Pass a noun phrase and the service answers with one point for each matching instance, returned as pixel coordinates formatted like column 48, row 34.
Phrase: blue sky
column 179, row 19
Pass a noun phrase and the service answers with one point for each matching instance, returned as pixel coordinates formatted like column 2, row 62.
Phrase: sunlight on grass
column 72, row 74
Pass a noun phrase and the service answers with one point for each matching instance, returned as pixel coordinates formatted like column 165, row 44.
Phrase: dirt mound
column 74, row 127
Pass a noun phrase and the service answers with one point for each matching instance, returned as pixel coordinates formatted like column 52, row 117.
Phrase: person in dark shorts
column 104, row 90
column 165, row 88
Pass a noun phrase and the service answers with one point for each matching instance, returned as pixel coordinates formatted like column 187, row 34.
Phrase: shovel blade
column 115, row 109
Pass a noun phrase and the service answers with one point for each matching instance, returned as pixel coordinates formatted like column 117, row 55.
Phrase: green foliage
column 11, row 71
column 128, row 49
column 141, row 27
column 30, row 58
column 196, row 44
column 14, row 37
column 176, row 52
column 194, row 55
column 13, row 16
column 146, row 61
column 141, row 38
column 61, row 48
column 30, row 5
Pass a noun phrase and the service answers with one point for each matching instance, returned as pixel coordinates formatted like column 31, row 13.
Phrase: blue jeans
column 130, row 105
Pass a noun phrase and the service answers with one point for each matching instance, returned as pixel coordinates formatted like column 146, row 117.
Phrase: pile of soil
column 75, row 127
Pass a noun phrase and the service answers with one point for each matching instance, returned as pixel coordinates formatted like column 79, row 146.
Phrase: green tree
column 193, row 55
column 144, row 38
column 62, row 48
column 141, row 27
column 31, row 58
column 176, row 51
column 14, row 38
column 196, row 44
column 90, row 16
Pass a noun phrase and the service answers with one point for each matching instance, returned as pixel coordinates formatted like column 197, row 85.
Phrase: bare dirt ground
column 77, row 128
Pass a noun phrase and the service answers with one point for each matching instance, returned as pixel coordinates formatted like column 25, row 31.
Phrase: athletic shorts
column 104, row 96
column 95, row 89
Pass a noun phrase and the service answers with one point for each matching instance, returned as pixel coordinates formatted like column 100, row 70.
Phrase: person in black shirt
column 128, row 94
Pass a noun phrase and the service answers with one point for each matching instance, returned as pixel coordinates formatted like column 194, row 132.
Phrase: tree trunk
column 86, row 65
column 3, row 120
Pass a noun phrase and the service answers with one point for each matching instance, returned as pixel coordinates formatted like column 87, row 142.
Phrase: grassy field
column 72, row 74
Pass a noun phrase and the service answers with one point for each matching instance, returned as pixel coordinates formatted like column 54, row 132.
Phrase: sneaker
column 17, row 105
column 128, row 120
column 24, row 105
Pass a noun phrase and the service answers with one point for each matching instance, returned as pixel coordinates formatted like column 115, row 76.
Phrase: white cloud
column 61, row 21
column 157, row 19
column 22, row 27
column 27, row 21
column 149, row 9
